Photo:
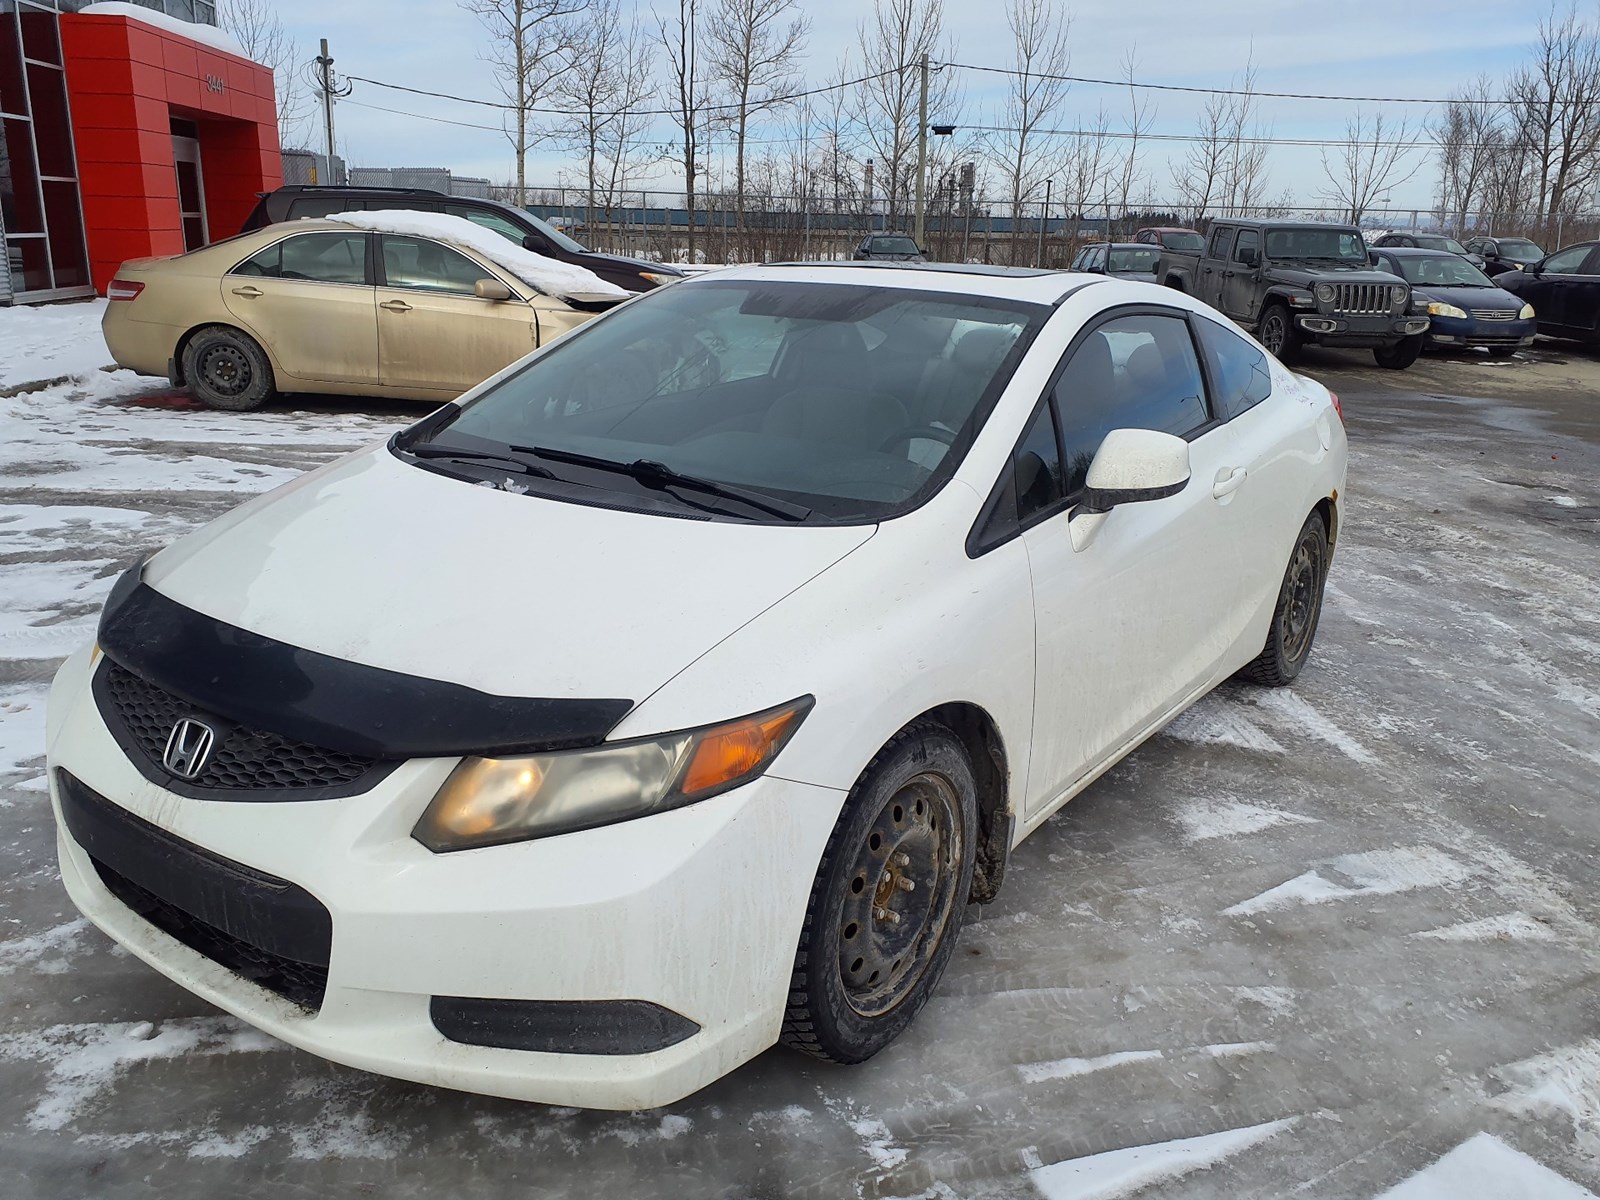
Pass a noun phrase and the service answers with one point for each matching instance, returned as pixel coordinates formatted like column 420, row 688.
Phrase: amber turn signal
column 734, row 751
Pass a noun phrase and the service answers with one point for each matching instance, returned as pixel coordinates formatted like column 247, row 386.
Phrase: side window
column 1221, row 239
column 312, row 257
column 1566, row 261
column 1592, row 267
column 321, row 206
column 424, row 265
column 503, row 225
column 1036, row 463
column 1249, row 239
column 1133, row 372
column 1240, row 375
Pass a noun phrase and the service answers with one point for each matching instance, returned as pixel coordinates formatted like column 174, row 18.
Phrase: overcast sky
column 1348, row 47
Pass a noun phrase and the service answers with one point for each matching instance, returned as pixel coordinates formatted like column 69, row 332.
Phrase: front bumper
column 697, row 911
column 1341, row 329
column 1473, row 331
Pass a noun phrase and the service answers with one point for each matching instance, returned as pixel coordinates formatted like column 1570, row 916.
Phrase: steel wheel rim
column 1305, row 598
column 888, row 931
column 225, row 370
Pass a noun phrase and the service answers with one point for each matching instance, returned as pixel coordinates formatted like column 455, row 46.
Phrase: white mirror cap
column 1138, row 460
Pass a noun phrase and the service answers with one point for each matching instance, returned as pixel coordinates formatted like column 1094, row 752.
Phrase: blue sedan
column 1464, row 306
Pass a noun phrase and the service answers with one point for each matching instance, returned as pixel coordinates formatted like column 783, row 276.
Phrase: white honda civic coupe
column 672, row 693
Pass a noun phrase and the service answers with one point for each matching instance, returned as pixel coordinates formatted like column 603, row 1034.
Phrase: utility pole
column 326, row 85
column 1038, row 256
column 922, row 148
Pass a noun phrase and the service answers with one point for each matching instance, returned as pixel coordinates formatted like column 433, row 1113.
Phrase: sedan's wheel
column 1400, row 355
column 1278, row 334
column 227, row 369
column 888, row 899
column 1299, row 607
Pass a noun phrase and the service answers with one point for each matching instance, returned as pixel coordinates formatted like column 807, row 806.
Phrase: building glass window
column 41, row 37
column 19, row 202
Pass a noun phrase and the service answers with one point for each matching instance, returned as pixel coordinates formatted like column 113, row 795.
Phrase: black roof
column 363, row 187
column 956, row 268
column 1124, row 245
column 1417, row 251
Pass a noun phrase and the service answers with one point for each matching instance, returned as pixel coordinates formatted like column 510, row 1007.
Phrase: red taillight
column 1337, row 407
column 124, row 289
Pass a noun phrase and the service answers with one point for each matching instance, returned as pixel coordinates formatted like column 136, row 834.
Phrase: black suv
column 888, row 247
column 514, row 224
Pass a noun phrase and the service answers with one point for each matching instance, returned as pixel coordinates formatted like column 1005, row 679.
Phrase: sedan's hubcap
column 1300, row 615
column 899, row 894
column 225, row 370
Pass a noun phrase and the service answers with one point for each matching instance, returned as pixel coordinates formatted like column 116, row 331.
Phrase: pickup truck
column 1292, row 282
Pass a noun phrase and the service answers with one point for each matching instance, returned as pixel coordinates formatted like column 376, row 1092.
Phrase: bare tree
column 1141, row 116
column 1555, row 107
column 1225, row 166
column 603, row 93
column 1472, row 138
column 1372, row 158
column 884, row 105
column 686, row 94
column 1086, row 168
column 753, row 47
column 1024, row 152
column 529, row 48
column 258, row 30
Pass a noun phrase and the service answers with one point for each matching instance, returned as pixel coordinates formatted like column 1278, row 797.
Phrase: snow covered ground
column 1338, row 941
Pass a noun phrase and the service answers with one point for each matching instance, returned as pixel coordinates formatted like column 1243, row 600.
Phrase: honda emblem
column 188, row 747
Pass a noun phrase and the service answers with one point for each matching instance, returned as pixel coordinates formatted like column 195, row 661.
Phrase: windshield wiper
column 658, row 475
column 434, row 450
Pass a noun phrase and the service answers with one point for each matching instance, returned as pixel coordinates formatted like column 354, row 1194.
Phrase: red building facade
column 174, row 137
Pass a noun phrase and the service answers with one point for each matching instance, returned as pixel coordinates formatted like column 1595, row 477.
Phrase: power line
column 506, row 105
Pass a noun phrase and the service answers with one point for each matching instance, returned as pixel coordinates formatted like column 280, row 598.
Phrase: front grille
column 263, row 928
column 1361, row 297
column 1492, row 314
column 302, row 984
column 242, row 760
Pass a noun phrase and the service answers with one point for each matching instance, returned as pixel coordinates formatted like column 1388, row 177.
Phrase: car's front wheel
column 1400, row 355
column 1299, row 608
column 886, row 906
column 227, row 369
column 1277, row 333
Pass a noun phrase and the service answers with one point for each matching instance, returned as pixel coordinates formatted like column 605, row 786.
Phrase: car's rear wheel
column 1299, row 608
column 227, row 369
column 1400, row 355
column 1277, row 333
column 886, row 906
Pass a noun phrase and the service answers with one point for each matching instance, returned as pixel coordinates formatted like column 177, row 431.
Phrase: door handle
column 248, row 291
column 396, row 306
column 1228, row 483
column 1227, row 274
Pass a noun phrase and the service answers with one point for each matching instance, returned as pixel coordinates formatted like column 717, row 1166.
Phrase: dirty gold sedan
column 338, row 307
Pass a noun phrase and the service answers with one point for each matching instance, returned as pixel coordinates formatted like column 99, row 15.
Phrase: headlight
column 1324, row 293
column 1445, row 310
column 1526, row 314
column 658, row 278
column 1397, row 298
column 489, row 801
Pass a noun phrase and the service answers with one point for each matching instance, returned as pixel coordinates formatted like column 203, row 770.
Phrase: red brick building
column 127, row 133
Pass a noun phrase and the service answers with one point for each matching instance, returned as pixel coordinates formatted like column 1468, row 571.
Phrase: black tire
column 860, row 977
column 227, row 369
column 1277, row 333
column 1400, row 355
column 1299, row 608
column 1502, row 351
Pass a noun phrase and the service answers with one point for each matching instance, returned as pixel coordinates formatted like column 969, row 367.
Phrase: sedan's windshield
column 855, row 402
column 1520, row 250
column 1337, row 245
column 894, row 245
column 1440, row 270
column 1141, row 260
column 1184, row 241
column 1432, row 242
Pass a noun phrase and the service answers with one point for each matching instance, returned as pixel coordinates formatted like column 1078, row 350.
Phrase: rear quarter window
column 1240, row 375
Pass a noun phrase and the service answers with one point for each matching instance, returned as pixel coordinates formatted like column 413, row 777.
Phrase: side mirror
column 532, row 241
column 491, row 289
column 1155, row 267
column 1131, row 466
column 1372, row 257
column 1248, row 257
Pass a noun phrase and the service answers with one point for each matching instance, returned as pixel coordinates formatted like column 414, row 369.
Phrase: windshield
column 554, row 234
column 894, row 245
column 1183, row 241
column 1337, row 245
column 856, row 402
column 1141, row 259
column 1430, row 242
column 1520, row 250
column 1440, row 270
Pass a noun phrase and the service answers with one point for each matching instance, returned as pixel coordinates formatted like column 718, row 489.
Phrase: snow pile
column 210, row 35
column 549, row 275
column 1202, row 819
column 1512, row 927
column 1483, row 1165
column 1070, row 1068
column 1374, row 873
column 44, row 342
column 1124, row 1172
